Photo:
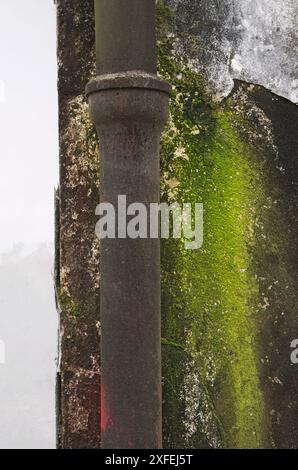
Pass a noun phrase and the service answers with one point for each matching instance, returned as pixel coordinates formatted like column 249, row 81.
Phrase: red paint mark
column 106, row 419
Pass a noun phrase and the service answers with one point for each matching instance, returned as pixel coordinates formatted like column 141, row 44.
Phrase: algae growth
column 212, row 395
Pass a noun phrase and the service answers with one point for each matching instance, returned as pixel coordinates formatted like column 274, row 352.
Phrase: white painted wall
column 252, row 40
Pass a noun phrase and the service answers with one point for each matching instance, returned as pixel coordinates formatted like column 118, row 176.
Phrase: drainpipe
column 129, row 107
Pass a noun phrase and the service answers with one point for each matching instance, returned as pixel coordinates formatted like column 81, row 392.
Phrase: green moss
column 212, row 394
column 67, row 304
column 166, row 342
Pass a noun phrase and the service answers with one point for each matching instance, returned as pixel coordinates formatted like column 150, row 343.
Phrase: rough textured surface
column 252, row 40
column 228, row 310
column 77, row 260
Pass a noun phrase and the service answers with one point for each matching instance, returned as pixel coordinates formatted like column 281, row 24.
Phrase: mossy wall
column 229, row 308
column 216, row 300
column 77, row 247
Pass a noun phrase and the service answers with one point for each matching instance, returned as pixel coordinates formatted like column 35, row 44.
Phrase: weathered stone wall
column 77, row 248
column 228, row 310
column 251, row 40
column 230, row 306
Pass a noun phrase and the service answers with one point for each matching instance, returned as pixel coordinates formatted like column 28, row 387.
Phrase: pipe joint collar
column 127, row 80
column 133, row 97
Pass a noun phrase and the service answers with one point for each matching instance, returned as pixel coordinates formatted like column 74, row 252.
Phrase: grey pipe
column 129, row 106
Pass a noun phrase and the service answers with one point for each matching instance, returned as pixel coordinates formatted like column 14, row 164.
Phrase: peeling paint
column 251, row 40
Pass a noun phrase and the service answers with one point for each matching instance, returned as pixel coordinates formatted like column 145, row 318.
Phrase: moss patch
column 67, row 305
column 212, row 392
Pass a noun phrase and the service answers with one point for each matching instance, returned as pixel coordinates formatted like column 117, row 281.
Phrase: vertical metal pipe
column 129, row 106
column 125, row 35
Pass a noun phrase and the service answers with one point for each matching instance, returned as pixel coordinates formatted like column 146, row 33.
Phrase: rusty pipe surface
column 129, row 106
